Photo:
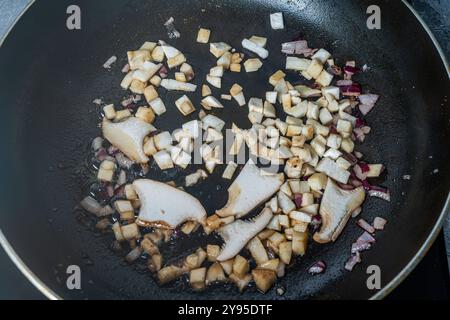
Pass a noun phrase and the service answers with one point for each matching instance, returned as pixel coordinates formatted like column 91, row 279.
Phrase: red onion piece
column 110, row 190
column 306, row 52
column 366, row 129
column 367, row 186
column 360, row 123
column 288, row 47
column 365, row 225
column 346, row 186
column 360, row 246
column 363, row 243
column 122, row 179
column 369, row 99
column 316, row 222
column 344, row 83
column 382, row 194
column 163, row 72
column 358, row 154
column 112, row 150
column 333, row 129
column 350, row 157
column 137, row 98
column 110, row 62
column 353, row 261
column 317, row 268
column 101, row 154
column 298, row 198
column 350, row 70
column 364, row 167
column 359, row 134
column 366, row 237
column 355, row 182
column 297, row 47
column 97, row 143
column 91, row 205
column 127, row 101
column 360, row 173
column 365, row 108
column 126, row 68
column 353, row 90
column 379, row 223
column 120, row 191
column 335, row 70
column 123, row 161
column 368, row 102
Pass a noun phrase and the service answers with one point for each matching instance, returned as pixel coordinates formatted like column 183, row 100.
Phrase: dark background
column 430, row 280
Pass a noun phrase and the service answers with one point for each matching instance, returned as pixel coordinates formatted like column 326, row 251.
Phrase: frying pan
column 49, row 76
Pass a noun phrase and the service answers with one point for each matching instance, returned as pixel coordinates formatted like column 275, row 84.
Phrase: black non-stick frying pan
column 49, row 76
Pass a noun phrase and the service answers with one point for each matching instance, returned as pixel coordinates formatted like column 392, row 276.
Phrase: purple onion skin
column 317, row 268
column 298, row 199
column 316, row 222
column 364, row 167
column 350, row 70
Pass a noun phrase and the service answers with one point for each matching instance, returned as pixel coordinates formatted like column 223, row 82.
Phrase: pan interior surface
column 50, row 75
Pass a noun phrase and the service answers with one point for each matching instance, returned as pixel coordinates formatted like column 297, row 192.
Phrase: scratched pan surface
column 49, row 77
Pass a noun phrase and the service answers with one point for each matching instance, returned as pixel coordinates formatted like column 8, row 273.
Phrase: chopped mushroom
column 197, row 279
column 215, row 273
column 185, row 105
column 169, row 274
column 171, row 84
column 253, row 47
column 240, row 266
column 252, row 65
column 203, row 35
column 218, row 49
column 241, row 282
column 264, row 279
column 257, row 251
column 211, row 102
column 229, row 170
column 206, row 91
column 276, row 21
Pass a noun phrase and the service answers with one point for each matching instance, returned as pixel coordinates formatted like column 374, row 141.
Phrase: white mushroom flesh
column 165, row 206
column 236, row 235
column 250, row 189
column 336, row 209
column 128, row 136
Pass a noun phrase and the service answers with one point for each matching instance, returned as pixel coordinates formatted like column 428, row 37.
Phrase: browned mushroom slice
column 128, row 136
column 236, row 235
column 251, row 188
column 336, row 208
column 166, row 206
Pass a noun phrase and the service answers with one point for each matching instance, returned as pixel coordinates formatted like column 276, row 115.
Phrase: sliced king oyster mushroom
column 165, row 206
column 237, row 234
column 249, row 190
column 336, row 208
column 128, row 136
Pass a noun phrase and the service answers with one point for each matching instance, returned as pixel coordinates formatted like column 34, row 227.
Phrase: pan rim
column 381, row 294
column 404, row 273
